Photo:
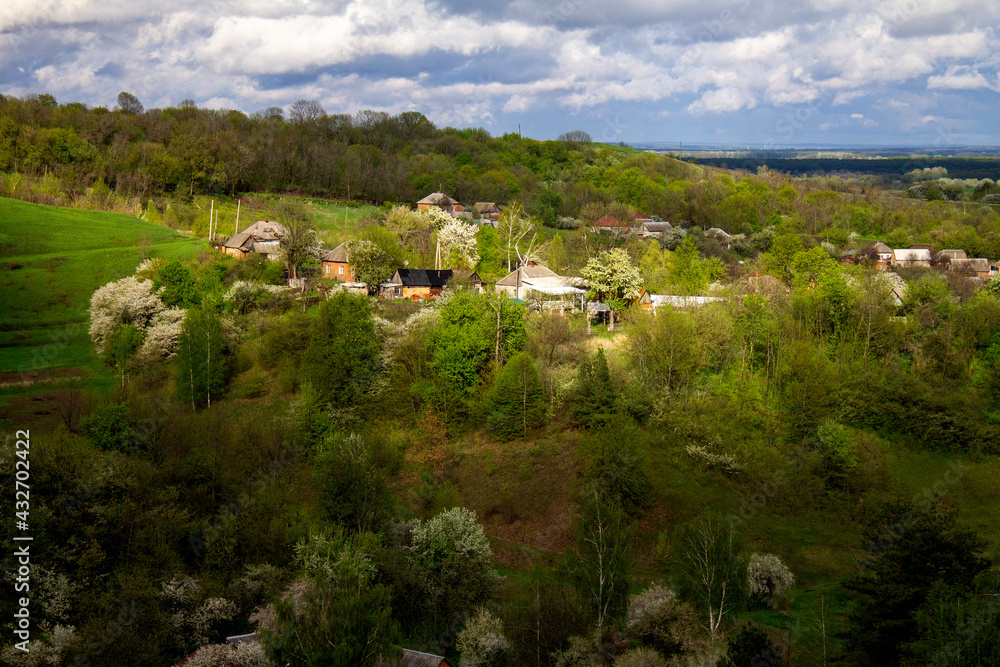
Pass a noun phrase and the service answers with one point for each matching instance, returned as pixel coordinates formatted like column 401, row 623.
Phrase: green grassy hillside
column 51, row 261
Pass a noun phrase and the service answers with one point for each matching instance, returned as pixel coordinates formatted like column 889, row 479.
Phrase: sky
column 761, row 73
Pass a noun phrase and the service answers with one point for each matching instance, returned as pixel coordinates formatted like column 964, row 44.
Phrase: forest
column 802, row 471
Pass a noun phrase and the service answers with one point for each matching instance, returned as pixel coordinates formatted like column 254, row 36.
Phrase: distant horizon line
column 744, row 147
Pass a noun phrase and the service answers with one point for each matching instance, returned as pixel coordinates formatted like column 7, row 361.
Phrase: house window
column 341, row 270
column 328, row 268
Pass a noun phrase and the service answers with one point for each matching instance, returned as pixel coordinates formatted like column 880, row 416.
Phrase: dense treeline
column 136, row 160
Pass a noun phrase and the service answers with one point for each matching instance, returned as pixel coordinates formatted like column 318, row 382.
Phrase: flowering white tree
column 482, row 642
column 161, row 335
column 121, row 303
column 769, row 579
column 456, row 559
column 244, row 295
column 611, row 277
column 437, row 217
column 458, row 244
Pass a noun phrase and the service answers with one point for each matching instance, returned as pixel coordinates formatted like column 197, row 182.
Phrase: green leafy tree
column 595, row 402
column 342, row 357
column 957, row 629
column 617, row 465
column 373, row 262
column 472, row 331
column 110, row 428
column 778, row 258
column 353, row 473
column 201, row 364
column 176, row 286
column 612, row 278
column 125, row 342
column 129, row 104
column 750, row 647
column 909, row 550
column 516, row 402
column 337, row 616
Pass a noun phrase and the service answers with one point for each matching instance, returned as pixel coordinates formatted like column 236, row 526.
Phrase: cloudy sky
column 755, row 72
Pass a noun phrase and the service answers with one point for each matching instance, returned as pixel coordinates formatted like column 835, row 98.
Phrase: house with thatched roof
column 974, row 268
column 488, row 210
column 943, row 258
column 439, row 200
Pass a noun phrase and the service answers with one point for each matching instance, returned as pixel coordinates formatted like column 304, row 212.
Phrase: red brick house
column 335, row 265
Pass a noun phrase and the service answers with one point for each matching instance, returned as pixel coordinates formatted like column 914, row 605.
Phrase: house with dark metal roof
column 425, row 283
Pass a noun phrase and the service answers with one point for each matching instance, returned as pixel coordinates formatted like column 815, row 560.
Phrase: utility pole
column 236, row 227
column 211, row 216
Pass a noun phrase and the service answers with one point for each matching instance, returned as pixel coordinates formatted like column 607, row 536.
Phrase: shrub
column 656, row 618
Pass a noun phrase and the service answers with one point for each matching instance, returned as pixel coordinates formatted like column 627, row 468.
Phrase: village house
column 336, row 266
column 974, row 268
column 488, row 210
column 417, row 284
column 613, row 225
column 720, row 235
column 654, row 229
column 911, row 257
column 943, row 258
column 441, row 201
column 882, row 251
column 540, row 280
column 263, row 236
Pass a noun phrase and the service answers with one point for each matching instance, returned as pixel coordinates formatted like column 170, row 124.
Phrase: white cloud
column 958, row 78
column 724, row 99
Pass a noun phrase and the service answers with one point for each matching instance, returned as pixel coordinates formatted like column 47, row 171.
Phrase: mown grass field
column 51, row 261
